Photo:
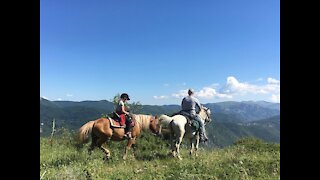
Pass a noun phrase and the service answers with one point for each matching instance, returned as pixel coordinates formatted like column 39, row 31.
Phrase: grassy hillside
column 247, row 159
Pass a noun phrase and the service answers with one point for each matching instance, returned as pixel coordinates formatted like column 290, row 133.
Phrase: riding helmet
column 125, row 95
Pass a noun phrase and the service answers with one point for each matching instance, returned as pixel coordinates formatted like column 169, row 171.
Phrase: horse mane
column 143, row 119
column 165, row 119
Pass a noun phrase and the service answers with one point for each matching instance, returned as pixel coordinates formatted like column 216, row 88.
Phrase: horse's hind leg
column 100, row 141
column 93, row 143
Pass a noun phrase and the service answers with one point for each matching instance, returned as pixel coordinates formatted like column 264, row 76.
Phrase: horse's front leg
column 191, row 145
column 197, row 145
column 128, row 147
column 178, row 143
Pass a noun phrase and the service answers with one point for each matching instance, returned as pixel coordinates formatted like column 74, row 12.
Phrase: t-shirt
column 189, row 104
column 119, row 107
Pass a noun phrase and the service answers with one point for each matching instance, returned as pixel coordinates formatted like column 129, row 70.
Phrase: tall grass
column 247, row 159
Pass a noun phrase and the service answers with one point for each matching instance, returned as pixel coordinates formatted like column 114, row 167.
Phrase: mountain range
column 231, row 119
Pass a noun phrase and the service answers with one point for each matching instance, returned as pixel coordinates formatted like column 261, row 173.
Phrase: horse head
column 205, row 114
column 155, row 126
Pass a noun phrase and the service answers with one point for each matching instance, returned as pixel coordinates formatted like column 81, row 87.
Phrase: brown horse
column 102, row 131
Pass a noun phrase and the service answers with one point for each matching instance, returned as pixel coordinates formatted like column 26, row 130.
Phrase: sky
column 226, row 50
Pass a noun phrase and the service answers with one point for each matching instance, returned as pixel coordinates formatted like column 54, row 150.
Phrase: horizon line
column 162, row 104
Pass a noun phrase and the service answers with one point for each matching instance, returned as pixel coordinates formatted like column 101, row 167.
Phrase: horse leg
column 179, row 140
column 128, row 147
column 134, row 148
column 93, row 143
column 197, row 145
column 191, row 145
column 172, row 144
column 100, row 141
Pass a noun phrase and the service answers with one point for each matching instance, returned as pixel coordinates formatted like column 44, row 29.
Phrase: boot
column 203, row 137
column 128, row 135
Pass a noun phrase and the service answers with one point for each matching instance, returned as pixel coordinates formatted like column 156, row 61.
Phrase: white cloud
column 166, row 84
column 59, row 99
column 205, row 92
column 180, row 94
column 233, row 86
column 208, row 92
column 160, row 97
column 260, row 79
column 43, row 97
column 273, row 81
column 275, row 98
column 232, row 89
column 69, row 95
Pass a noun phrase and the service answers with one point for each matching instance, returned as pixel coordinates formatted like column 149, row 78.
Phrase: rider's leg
column 202, row 129
column 128, row 128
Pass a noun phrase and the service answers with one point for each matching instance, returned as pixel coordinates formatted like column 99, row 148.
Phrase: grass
column 247, row 159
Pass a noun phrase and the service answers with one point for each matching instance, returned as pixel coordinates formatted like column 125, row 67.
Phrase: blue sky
column 227, row 50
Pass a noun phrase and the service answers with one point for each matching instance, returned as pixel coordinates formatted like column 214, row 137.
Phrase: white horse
column 180, row 128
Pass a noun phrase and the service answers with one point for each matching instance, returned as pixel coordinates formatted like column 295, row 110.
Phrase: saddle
column 115, row 121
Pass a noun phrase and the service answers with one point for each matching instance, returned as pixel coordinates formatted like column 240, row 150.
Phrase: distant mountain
column 231, row 120
column 246, row 110
column 265, row 104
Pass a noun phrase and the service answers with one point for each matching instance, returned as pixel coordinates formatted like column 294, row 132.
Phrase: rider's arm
column 198, row 104
column 124, row 110
column 182, row 102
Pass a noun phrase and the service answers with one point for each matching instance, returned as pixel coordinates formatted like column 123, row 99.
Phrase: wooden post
column 53, row 130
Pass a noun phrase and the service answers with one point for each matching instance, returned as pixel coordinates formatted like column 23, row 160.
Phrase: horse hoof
column 106, row 158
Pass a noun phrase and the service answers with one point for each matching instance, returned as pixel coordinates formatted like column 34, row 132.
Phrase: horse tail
column 85, row 131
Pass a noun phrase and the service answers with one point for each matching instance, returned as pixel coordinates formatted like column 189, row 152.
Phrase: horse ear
column 156, row 117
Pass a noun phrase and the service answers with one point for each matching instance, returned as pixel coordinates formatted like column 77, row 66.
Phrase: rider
column 188, row 106
column 124, row 114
